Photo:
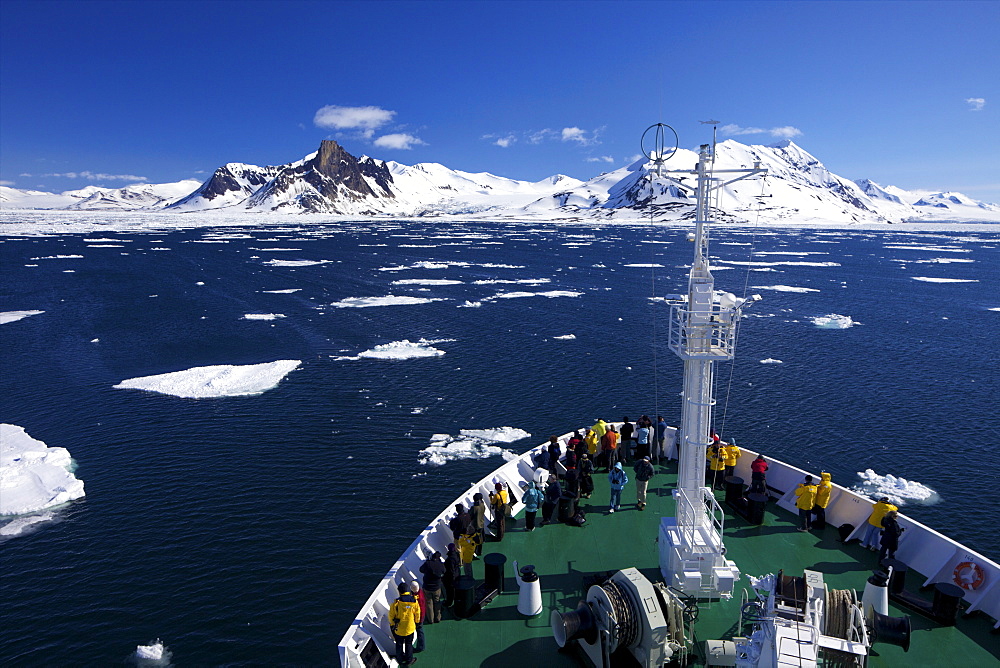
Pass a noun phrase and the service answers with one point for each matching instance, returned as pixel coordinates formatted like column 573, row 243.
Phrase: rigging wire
column 746, row 283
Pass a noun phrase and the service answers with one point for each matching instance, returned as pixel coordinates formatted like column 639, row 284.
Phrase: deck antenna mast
column 702, row 332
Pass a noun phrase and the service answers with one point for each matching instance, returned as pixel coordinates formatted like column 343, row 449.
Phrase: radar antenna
column 659, row 153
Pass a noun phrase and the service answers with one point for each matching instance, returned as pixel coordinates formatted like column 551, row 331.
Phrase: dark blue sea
column 249, row 530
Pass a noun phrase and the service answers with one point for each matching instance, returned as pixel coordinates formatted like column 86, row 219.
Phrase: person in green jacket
column 404, row 615
column 806, row 499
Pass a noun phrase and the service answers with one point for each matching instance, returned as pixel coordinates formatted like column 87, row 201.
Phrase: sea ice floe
column 14, row 316
column 932, row 249
column 470, row 444
column 469, row 304
column 937, row 260
column 650, row 265
column 771, row 360
column 426, row 281
column 899, row 490
column 59, row 257
column 550, row 294
column 564, row 337
column 33, row 477
column 401, row 350
column 930, row 279
column 834, row 321
column 263, row 316
column 282, row 292
column 295, row 263
column 388, row 300
column 516, row 281
column 221, row 380
column 153, row 655
column 789, row 263
column 783, row 288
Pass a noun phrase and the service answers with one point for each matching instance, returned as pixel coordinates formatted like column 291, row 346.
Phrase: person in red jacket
column 418, row 594
column 758, row 471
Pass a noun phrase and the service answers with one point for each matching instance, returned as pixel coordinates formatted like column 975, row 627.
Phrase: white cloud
column 366, row 119
column 399, row 141
column 504, row 142
column 7, row 183
column 784, row 132
column 92, row 176
column 541, row 135
column 976, row 103
column 603, row 158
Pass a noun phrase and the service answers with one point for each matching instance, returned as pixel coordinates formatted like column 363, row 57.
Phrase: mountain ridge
column 798, row 187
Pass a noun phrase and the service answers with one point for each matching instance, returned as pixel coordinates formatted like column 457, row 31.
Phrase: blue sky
column 108, row 93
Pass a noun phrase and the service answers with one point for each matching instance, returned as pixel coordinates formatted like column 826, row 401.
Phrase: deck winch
column 627, row 611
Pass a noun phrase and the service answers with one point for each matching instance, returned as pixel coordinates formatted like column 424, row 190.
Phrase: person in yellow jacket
column 599, row 428
column 823, row 491
column 806, row 499
column 404, row 615
column 716, row 465
column 873, row 531
column 467, row 544
column 732, row 454
column 591, row 439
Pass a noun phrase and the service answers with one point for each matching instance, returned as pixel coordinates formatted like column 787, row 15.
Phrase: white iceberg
column 771, row 360
column 564, row 337
column 834, row 321
column 899, row 490
column 262, row 316
column 14, row 316
column 388, row 300
column 33, row 476
column 295, row 263
column 221, row 380
column 403, row 350
column 784, row 288
column 931, row 279
column 471, row 444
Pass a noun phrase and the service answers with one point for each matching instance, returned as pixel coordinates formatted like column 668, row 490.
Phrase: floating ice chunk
column 22, row 524
column 771, row 360
column 994, row 308
column 470, row 444
column 153, row 654
column 651, row 265
column 262, row 316
column 469, row 304
column 834, row 321
column 388, row 300
column 403, row 350
column 222, row 380
column 33, row 476
column 550, row 294
column 784, row 288
column 516, row 281
column 564, row 337
column 426, row 281
column 59, row 257
column 295, row 263
column 282, row 292
column 930, row 279
column 899, row 490
column 14, row 316
column 932, row 249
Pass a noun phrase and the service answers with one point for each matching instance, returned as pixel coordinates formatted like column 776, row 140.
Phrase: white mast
column 702, row 332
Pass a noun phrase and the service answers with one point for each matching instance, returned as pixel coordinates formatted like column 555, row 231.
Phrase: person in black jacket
column 452, row 569
column 643, row 472
column 890, row 536
column 586, row 472
column 461, row 522
column 553, row 492
column 433, row 571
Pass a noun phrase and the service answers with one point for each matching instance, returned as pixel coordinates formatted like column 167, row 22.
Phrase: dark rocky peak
column 333, row 162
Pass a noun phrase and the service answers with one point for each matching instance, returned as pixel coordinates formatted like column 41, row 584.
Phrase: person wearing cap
column 404, row 615
column 498, row 501
column 643, row 472
column 716, row 465
column 586, row 476
column 433, row 571
column 873, row 530
column 805, row 500
column 618, row 480
column 461, row 522
column 732, row 455
column 890, row 536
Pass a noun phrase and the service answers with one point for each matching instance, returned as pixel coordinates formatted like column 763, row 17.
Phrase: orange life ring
column 968, row 575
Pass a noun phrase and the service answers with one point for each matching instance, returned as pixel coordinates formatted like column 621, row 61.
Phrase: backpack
column 578, row 520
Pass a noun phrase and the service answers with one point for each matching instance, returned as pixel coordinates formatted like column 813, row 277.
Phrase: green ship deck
column 565, row 556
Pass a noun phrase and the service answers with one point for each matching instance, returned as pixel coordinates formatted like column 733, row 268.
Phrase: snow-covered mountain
column 137, row 197
column 797, row 188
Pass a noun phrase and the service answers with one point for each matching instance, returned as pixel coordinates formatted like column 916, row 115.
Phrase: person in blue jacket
column 618, row 480
column 532, row 499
